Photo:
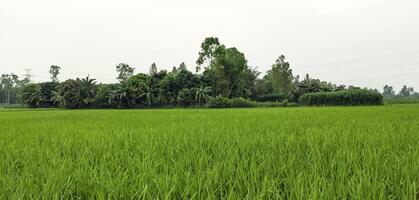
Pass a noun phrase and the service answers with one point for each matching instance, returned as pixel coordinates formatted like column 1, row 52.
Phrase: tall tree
column 406, row 91
column 54, row 71
column 153, row 69
column 8, row 81
column 182, row 66
column 227, row 67
column 388, row 91
column 124, row 72
column 174, row 70
column 282, row 76
column 209, row 48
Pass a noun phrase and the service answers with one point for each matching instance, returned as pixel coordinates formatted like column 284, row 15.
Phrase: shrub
column 284, row 103
column 242, row 103
column 222, row 102
column 219, row 102
column 270, row 98
column 343, row 97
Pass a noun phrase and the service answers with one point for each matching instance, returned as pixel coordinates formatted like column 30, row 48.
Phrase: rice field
column 261, row 153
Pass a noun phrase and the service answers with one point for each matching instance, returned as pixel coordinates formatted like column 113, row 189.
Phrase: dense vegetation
column 221, row 72
column 344, row 97
column 405, row 96
column 294, row 153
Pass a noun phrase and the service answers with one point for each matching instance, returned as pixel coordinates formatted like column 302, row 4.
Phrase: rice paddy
column 261, row 153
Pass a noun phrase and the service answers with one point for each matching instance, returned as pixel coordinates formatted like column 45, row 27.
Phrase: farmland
column 263, row 153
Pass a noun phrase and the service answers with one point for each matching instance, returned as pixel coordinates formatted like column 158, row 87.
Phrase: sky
column 366, row 43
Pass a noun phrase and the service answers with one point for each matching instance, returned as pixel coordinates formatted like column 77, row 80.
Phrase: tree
column 124, row 72
column 79, row 93
column 185, row 97
column 202, row 94
column 182, row 66
column 174, row 69
column 209, row 48
column 54, row 70
column 139, row 90
column 226, row 66
column 282, row 76
column 406, row 91
column 8, row 81
column 172, row 83
column 119, row 96
column 388, row 91
column 153, row 69
column 87, row 90
column 31, row 95
column 46, row 92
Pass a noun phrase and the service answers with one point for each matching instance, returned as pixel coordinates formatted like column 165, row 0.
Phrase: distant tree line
column 221, row 73
column 405, row 95
column 388, row 92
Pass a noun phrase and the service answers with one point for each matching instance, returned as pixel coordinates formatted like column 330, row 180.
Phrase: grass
column 261, row 153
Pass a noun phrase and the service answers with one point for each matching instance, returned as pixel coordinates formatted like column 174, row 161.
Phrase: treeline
column 9, row 88
column 405, row 95
column 222, row 78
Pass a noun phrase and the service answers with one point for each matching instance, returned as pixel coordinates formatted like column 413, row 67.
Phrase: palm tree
column 88, row 90
column 202, row 94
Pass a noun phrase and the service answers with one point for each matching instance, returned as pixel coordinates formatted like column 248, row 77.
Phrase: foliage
column 310, row 85
column 281, row 76
column 344, row 97
column 388, row 91
column 270, row 98
column 185, row 97
column 124, row 72
column 79, row 93
column 46, row 92
column 31, row 95
column 202, row 94
column 153, row 69
column 227, row 67
column 54, row 70
column 402, row 100
column 222, row 102
column 406, row 91
column 221, row 72
column 9, row 84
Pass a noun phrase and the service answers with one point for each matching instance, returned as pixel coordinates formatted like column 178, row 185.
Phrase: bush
column 219, row 102
column 270, row 98
column 222, row 102
column 343, row 97
column 242, row 103
column 284, row 103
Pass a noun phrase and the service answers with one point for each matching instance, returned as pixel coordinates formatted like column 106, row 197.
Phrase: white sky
column 353, row 42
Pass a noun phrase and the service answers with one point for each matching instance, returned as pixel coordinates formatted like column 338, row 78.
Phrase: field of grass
column 261, row 153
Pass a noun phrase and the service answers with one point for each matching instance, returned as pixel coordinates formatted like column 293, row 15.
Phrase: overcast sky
column 353, row 42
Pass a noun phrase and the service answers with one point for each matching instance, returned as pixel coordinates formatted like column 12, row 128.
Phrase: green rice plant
column 369, row 152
